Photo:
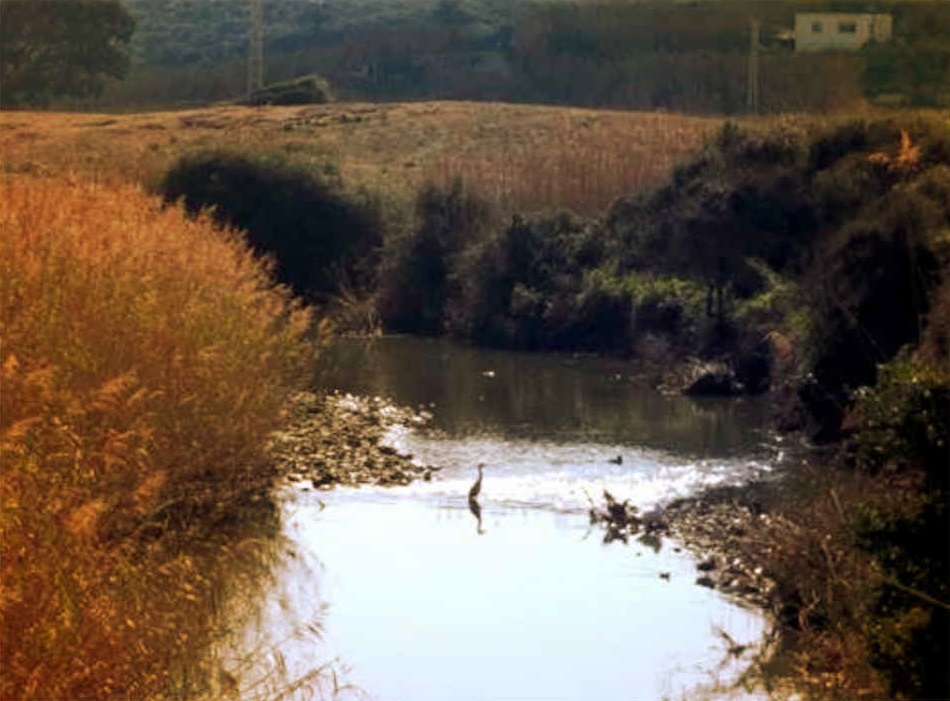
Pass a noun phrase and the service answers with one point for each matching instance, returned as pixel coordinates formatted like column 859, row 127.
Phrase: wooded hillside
column 657, row 54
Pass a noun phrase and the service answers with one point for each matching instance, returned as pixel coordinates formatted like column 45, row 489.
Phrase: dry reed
column 145, row 359
column 583, row 166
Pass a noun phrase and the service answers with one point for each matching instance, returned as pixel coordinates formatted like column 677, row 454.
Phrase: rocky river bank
column 337, row 439
column 737, row 533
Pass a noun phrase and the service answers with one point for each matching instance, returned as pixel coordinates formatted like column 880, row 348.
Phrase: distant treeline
column 685, row 57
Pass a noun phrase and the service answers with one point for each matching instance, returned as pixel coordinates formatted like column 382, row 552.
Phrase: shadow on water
column 539, row 396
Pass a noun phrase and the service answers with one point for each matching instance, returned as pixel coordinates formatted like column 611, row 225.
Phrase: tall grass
column 145, row 358
column 583, row 165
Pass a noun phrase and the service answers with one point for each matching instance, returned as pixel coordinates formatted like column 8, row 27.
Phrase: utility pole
column 255, row 48
column 753, row 86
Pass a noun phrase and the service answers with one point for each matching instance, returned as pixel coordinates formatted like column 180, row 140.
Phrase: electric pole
column 753, row 87
column 255, row 48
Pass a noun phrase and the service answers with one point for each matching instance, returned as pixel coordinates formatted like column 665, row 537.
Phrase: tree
column 61, row 47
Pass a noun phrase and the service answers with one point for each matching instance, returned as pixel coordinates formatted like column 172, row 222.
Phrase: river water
column 405, row 596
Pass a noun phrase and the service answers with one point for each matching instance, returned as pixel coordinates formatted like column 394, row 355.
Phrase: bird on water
column 477, row 487
column 473, row 504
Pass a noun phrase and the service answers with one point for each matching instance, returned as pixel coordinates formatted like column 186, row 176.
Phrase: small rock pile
column 718, row 531
column 337, row 439
column 723, row 534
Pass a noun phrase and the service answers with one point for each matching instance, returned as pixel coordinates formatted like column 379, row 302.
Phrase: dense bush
column 874, row 273
column 908, row 628
column 417, row 280
column 850, row 216
column 743, row 197
column 319, row 235
column 901, row 426
column 903, row 421
column 519, row 286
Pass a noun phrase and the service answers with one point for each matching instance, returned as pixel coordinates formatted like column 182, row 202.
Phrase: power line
column 255, row 48
column 753, row 86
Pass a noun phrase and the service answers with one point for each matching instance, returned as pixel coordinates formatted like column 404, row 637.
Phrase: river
column 404, row 596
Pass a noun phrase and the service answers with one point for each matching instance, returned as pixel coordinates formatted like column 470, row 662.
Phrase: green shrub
column 902, row 426
column 310, row 89
column 318, row 234
column 903, row 421
column 523, row 288
column 908, row 627
column 418, row 280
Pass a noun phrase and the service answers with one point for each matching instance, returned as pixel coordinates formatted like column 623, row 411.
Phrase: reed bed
column 583, row 164
column 146, row 357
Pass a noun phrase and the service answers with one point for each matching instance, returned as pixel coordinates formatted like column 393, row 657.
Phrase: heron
column 473, row 504
column 477, row 487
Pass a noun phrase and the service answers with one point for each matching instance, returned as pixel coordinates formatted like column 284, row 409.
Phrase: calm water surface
column 414, row 603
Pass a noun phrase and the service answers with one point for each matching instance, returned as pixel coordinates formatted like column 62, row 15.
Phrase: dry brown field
column 527, row 157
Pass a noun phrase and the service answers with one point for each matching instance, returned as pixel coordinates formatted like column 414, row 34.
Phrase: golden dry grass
column 529, row 157
column 145, row 359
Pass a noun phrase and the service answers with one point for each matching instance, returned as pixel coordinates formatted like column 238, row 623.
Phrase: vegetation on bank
column 854, row 544
column 810, row 257
column 146, row 357
column 801, row 256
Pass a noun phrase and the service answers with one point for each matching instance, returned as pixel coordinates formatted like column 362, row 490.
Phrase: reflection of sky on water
column 422, row 607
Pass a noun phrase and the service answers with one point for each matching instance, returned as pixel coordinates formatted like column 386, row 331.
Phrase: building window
column 816, row 28
column 847, row 27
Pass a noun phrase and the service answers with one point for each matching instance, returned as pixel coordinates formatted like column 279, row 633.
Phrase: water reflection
column 476, row 510
column 539, row 396
column 421, row 608
column 473, row 504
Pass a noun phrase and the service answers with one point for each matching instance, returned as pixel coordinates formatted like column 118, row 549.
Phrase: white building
column 839, row 31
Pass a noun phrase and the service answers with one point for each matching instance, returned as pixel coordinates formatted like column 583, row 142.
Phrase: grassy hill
column 529, row 157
